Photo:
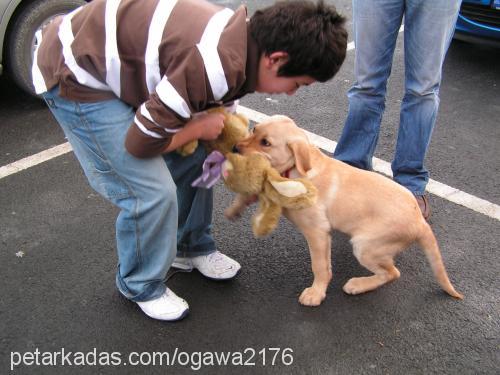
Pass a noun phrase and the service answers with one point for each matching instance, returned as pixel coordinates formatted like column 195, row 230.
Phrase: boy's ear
column 276, row 59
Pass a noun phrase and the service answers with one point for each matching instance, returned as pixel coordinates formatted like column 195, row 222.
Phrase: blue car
column 479, row 21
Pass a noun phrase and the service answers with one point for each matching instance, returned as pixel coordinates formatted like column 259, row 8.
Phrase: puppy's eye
column 265, row 142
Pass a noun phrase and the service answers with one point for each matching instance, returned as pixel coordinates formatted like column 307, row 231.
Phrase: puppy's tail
column 428, row 243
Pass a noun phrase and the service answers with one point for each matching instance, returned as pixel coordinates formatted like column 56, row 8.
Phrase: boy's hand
column 208, row 126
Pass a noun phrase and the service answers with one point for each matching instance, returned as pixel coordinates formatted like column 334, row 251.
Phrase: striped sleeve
column 191, row 80
column 181, row 93
column 169, row 59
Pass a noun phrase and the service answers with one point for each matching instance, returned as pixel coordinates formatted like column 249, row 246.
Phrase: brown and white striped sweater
column 169, row 59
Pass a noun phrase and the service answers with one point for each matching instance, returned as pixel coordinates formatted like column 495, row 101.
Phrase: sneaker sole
column 182, row 316
column 218, row 279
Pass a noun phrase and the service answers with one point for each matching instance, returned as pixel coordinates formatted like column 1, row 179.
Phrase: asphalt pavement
column 61, row 314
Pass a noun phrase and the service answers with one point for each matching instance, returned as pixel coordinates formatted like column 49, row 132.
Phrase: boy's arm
column 169, row 118
column 190, row 84
column 206, row 127
column 165, row 121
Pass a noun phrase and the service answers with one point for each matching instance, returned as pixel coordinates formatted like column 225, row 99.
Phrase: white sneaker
column 168, row 307
column 215, row 266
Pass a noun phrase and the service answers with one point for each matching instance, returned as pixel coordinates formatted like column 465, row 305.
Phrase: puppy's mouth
column 280, row 167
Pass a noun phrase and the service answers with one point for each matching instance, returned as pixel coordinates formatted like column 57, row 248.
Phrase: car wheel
column 22, row 41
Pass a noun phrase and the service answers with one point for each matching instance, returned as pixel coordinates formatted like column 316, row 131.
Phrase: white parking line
column 434, row 187
column 33, row 160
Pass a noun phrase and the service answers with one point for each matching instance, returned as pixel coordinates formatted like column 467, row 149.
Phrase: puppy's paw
column 354, row 286
column 312, row 297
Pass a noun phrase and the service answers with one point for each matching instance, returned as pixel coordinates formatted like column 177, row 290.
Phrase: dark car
column 479, row 21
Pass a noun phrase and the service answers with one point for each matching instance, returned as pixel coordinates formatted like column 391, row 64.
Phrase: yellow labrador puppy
column 382, row 217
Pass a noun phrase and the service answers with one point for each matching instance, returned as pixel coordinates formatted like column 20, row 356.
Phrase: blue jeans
column 428, row 29
column 159, row 210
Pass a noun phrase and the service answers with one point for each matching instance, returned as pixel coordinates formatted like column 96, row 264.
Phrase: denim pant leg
column 194, row 236
column 143, row 189
column 429, row 27
column 376, row 25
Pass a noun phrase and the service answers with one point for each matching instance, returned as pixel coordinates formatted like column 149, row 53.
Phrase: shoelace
column 217, row 259
column 214, row 257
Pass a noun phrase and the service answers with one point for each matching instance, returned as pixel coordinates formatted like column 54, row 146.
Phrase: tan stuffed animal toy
column 235, row 129
column 253, row 175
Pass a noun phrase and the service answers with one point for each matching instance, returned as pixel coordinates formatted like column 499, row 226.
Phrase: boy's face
column 268, row 80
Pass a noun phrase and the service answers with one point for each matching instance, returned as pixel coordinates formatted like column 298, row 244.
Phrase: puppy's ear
column 300, row 149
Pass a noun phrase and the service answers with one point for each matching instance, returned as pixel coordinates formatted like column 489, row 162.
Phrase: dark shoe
column 423, row 204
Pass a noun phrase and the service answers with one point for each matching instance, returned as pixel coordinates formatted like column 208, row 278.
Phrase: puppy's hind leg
column 380, row 262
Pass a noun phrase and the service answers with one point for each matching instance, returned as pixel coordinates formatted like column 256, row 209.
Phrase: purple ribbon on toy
column 212, row 168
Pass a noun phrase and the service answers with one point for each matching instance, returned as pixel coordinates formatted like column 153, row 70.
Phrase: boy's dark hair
column 312, row 34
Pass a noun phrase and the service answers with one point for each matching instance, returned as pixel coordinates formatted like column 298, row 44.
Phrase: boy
column 127, row 80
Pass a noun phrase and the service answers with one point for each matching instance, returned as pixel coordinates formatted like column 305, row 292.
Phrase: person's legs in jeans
column 196, row 246
column 194, row 236
column 376, row 26
column 143, row 189
column 429, row 27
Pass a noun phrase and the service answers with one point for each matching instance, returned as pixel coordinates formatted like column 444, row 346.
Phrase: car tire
column 21, row 40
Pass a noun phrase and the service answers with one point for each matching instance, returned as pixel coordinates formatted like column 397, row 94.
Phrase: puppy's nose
column 236, row 150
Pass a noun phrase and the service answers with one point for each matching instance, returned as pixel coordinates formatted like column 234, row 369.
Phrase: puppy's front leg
column 320, row 249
